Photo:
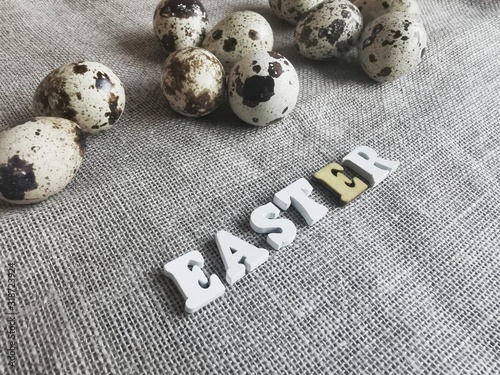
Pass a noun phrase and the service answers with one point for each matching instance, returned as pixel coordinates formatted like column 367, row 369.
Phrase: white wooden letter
column 264, row 219
column 238, row 256
column 364, row 161
column 194, row 286
column 297, row 194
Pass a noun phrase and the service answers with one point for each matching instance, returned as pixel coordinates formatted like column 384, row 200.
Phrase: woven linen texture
column 405, row 280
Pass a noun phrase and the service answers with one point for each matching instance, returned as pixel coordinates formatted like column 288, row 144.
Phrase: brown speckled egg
column 86, row 92
column 292, row 10
column 193, row 81
column 392, row 46
column 237, row 35
column 328, row 30
column 263, row 88
column 38, row 158
column 371, row 9
column 180, row 23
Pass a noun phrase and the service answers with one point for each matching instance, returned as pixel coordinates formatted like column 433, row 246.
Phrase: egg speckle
column 180, row 23
column 237, row 35
column 328, row 30
column 86, row 92
column 292, row 10
column 263, row 88
column 392, row 46
column 193, row 81
column 38, row 158
column 371, row 9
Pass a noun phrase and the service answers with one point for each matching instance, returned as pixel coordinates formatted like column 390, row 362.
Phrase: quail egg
column 392, row 46
column 85, row 92
column 180, row 23
column 292, row 10
column 263, row 88
column 237, row 35
column 371, row 9
column 38, row 158
column 328, row 30
column 193, row 81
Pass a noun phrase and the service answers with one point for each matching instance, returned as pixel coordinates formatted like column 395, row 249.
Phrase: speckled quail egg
column 292, row 10
column 371, row 9
column 180, row 23
column 328, row 30
column 237, row 35
column 38, row 158
column 193, row 81
column 263, row 88
column 85, row 92
column 392, row 46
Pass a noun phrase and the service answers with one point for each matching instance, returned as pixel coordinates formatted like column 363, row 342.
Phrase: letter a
column 238, row 256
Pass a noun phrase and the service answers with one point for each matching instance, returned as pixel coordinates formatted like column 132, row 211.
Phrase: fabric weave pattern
column 405, row 280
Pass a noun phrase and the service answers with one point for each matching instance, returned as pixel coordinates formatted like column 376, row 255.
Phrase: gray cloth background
column 405, row 280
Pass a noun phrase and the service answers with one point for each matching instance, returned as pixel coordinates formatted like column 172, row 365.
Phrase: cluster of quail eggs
column 236, row 56
column 40, row 156
column 235, row 60
column 389, row 34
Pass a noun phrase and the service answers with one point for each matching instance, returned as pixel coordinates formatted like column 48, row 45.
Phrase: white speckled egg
column 392, row 46
column 328, row 30
column 193, row 81
column 86, row 92
column 237, row 35
column 38, row 158
column 180, row 23
column 263, row 88
column 292, row 10
column 371, row 9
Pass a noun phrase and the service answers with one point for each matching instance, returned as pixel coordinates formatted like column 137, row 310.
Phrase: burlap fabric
column 405, row 280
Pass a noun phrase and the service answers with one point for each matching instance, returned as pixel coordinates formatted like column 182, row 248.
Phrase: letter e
column 194, row 286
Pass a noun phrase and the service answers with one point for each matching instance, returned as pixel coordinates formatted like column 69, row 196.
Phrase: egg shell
column 193, row 81
column 86, row 92
column 328, row 30
column 392, row 46
column 263, row 88
column 371, row 9
column 38, row 158
column 292, row 10
column 180, row 23
column 237, row 35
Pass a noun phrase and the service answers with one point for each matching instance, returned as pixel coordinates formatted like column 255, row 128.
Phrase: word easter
column 240, row 257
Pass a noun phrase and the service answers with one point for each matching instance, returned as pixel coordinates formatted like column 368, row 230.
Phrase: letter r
column 364, row 161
